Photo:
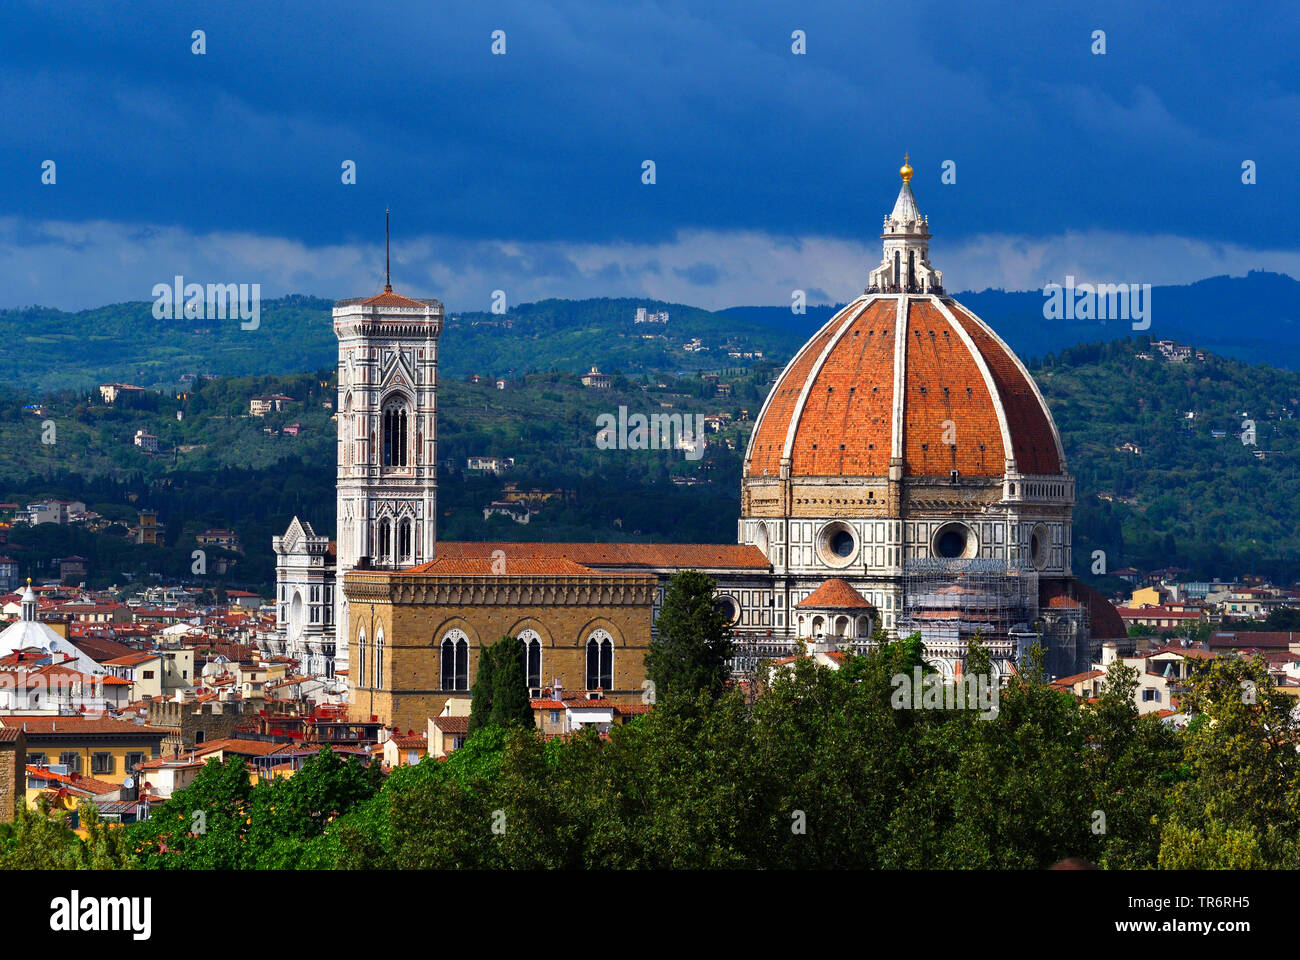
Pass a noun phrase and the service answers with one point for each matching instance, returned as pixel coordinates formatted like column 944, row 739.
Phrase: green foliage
column 688, row 654
column 821, row 771
column 480, row 706
column 1188, row 498
column 511, row 706
column 223, row 822
column 501, row 688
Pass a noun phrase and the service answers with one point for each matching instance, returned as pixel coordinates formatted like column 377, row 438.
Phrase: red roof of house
column 75, row 725
column 1163, row 613
column 633, row 709
column 131, row 659
column 1258, row 639
column 452, row 724
column 75, row 780
column 1075, row 678
column 243, row 748
column 414, row 742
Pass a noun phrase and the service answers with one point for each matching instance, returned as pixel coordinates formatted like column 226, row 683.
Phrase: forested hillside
column 1164, row 477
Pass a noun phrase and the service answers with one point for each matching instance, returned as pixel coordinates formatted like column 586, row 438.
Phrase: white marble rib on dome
column 25, row 634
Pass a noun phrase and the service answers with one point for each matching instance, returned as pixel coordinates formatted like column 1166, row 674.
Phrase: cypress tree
column 480, row 705
column 510, row 702
column 688, row 656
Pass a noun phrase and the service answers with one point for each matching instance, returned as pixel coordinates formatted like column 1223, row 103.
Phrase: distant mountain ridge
column 1255, row 318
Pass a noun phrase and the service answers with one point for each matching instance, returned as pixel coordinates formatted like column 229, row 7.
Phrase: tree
column 511, row 706
column 480, row 705
column 1237, row 805
column 501, row 688
column 688, row 656
column 35, row 840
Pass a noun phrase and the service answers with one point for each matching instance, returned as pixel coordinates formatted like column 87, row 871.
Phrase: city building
column 261, row 406
column 109, row 392
column 596, row 380
column 904, row 452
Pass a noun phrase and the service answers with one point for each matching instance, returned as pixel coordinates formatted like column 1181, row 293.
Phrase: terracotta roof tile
column 835, row 594
column 452, row 724
column 845, row 426
column 71, row 726
column 627, row 556
column 390, row 299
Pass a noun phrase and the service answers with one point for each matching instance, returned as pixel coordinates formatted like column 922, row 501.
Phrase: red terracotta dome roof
column 884, row 378
column 835, row 594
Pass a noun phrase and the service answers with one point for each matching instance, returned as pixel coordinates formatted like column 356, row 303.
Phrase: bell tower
column 387, row 436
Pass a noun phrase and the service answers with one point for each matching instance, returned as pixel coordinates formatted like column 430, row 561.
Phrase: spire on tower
column 388, row 282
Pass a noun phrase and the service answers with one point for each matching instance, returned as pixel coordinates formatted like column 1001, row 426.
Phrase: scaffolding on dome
column 948, row 602
column 1067, row 633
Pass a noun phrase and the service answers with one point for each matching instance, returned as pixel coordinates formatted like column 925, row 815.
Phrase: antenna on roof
column 388, row 283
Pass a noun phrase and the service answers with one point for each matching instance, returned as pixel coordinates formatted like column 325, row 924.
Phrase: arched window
column 361, row 657
column 394, row 436
column 532, row 644
column 455, row 661
column 404, row 541
column 600, row 661
column 379, row 659
column 384, row 542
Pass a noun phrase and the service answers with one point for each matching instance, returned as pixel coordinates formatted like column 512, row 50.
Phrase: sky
column 523, row 171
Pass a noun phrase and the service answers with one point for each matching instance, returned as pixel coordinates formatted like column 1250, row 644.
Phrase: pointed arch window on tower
column 361, row 657
column 395, row 436
column 384, row 542
column 404, row 541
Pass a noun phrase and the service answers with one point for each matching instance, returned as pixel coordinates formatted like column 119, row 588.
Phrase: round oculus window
column 953, row 541
column 727, row 607
column 837, row 545
column 1038, row 547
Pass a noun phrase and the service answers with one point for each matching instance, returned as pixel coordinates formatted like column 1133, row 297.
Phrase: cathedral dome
column 904, row 382
column 913, row 380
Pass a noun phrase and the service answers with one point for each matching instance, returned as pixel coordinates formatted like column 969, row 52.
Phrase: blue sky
column 522, row 172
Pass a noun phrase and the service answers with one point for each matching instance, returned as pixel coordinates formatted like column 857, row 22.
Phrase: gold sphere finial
column 905, row 171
